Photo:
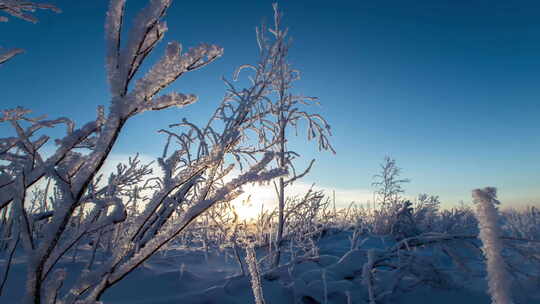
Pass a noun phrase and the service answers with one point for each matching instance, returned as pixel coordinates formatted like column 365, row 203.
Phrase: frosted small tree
column 194, row 163
column 284, row 112
column 388, row 183
column 388, row 190
column 20, row 9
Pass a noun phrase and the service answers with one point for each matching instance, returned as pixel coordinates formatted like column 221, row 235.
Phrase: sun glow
column 254, row 199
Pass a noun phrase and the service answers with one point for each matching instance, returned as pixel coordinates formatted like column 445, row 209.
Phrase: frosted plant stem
column 253, row 267
column 487, row 214
column 367, row 275
column 348, row 295
column 325, row 286
column 239, row 259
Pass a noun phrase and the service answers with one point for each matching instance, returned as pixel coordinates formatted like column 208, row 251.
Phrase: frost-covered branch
column 124, row 60
column 20, row 9
column 6, row 55
column 81, row 153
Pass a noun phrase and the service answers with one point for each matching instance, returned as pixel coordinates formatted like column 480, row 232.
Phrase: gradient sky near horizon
column 450, row 89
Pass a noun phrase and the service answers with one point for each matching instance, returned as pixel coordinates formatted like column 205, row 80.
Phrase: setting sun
column 254, row 199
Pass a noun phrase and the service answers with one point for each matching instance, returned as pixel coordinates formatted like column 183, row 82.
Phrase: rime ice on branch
column 20, row 9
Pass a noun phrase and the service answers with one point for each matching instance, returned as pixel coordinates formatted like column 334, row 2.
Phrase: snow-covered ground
column 337, row 275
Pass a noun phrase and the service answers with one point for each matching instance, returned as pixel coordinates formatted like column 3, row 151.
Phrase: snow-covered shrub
column 522, row 224
column 303, row 222
column 457, row 220
column 133, row 214
column 425, row 211
column 490, row 233
column 404, row 224
column 415, row 218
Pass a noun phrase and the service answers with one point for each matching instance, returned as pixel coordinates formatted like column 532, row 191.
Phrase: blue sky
column 450, row 89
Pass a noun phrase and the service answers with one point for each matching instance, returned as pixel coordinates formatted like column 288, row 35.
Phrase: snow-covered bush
column 404, row 224
column 522, row 223
column 456, row 220
column 425, row 211
column 304, row 222
column 108, row 214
